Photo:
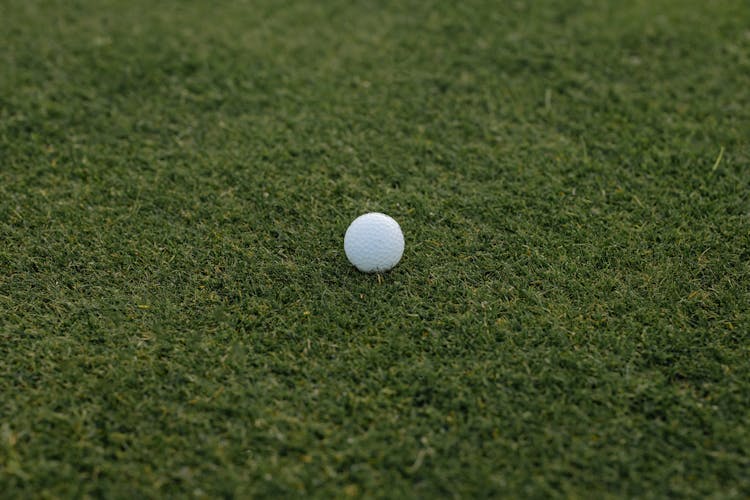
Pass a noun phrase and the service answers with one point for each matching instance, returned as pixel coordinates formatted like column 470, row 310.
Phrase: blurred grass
column 177, row 316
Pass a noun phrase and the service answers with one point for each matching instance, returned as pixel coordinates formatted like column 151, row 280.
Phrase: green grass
column 177, row 315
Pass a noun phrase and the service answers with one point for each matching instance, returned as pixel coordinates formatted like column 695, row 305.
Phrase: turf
column 177, row 315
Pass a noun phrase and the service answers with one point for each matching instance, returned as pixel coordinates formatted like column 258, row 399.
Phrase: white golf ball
column 374, row 242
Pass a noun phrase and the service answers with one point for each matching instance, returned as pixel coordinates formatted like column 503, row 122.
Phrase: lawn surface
column 178, row 317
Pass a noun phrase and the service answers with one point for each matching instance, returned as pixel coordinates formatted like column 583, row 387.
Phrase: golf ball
column 374, row 242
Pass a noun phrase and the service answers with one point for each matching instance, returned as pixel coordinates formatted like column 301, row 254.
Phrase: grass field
column 570, row 318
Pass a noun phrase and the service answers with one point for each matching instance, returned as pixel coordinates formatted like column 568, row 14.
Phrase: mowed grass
column 570, row 318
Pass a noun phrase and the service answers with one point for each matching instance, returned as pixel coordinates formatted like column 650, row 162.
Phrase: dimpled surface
column 374, row 242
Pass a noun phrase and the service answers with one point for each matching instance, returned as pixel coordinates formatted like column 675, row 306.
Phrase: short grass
column 178, row 318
